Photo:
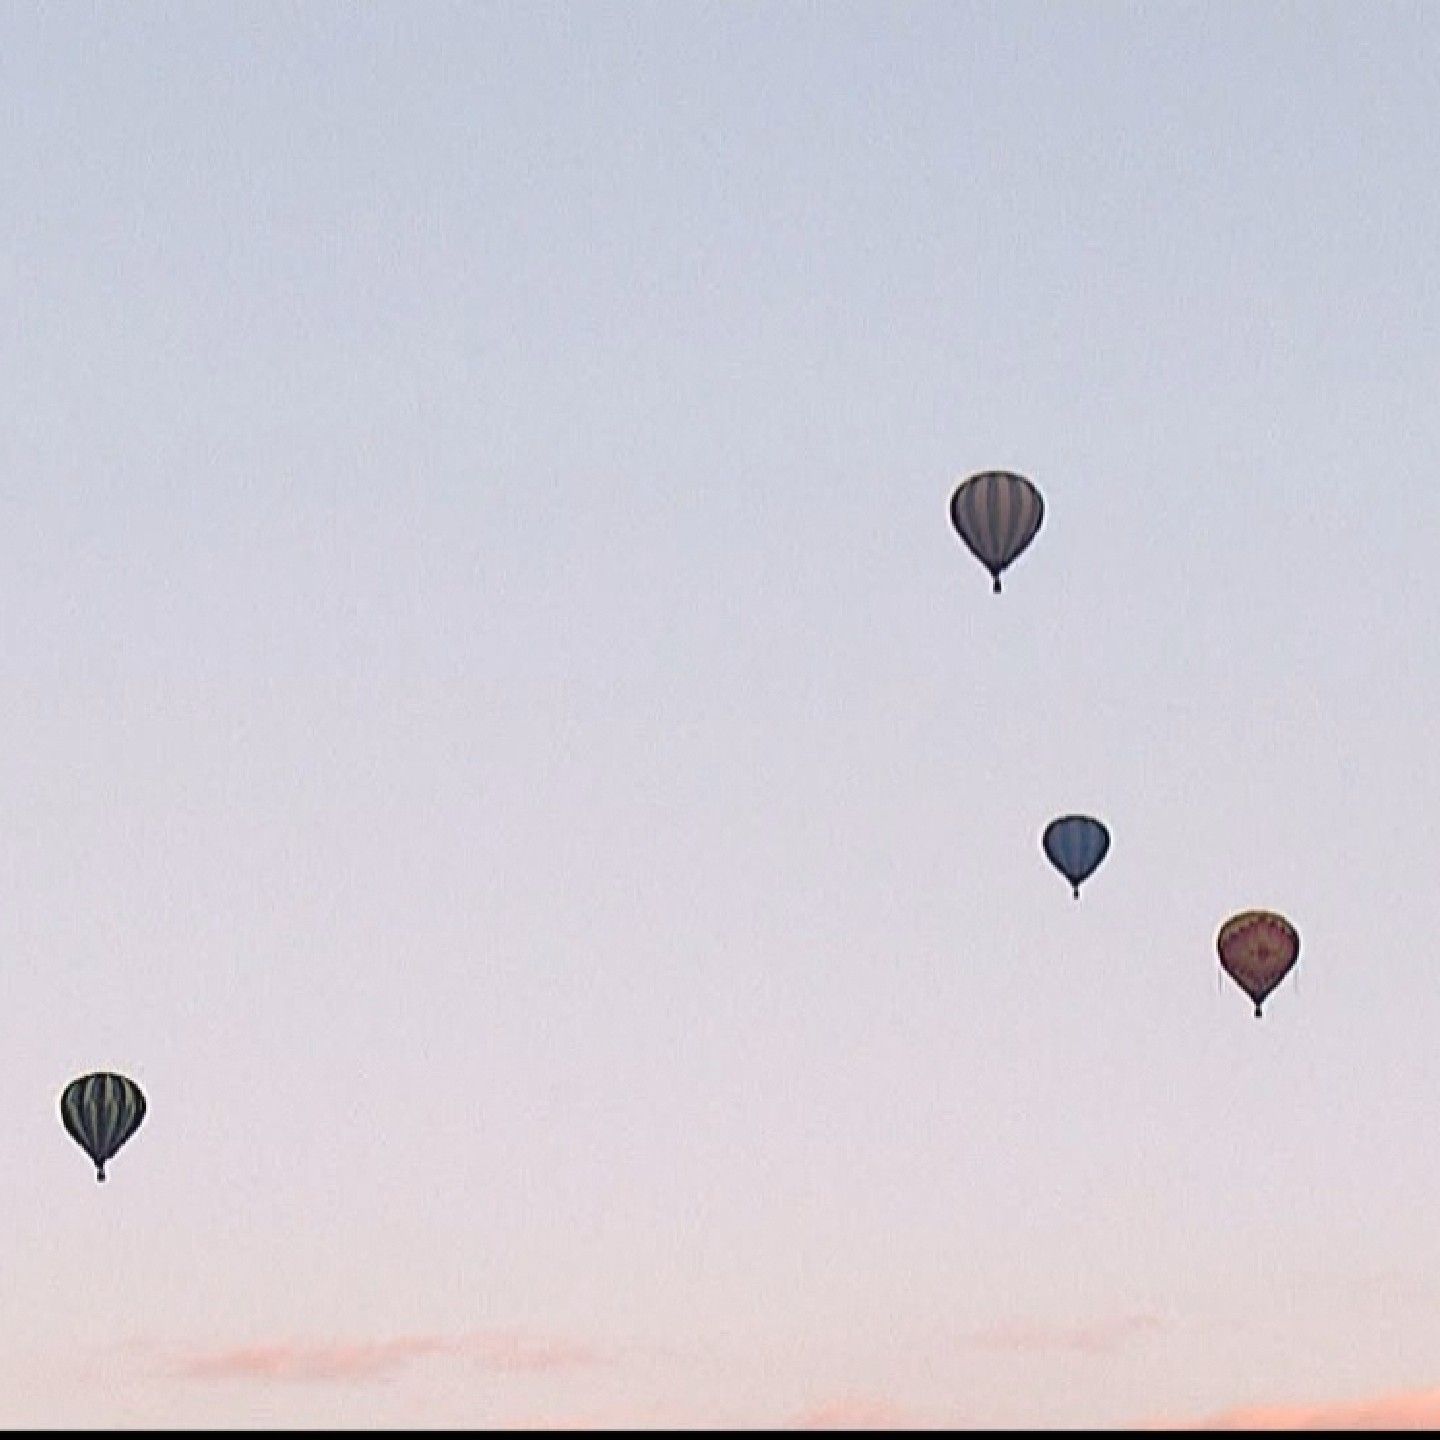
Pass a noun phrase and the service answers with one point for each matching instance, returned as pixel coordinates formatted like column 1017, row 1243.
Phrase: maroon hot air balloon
column 1258, row 949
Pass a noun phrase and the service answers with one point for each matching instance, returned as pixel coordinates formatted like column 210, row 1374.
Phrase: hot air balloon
column 997, row 515
column 1076, row 844
column 1257, row 951
column 102, row 1112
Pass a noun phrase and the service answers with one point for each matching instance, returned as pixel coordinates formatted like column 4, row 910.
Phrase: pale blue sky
column 504, row 745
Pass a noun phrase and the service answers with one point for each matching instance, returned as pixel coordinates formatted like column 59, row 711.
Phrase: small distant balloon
column 1076, row 844
column 996, row 514
column 1258, row 949
column 101, row 1112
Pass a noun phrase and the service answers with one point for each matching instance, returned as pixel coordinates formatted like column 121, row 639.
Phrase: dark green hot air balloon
column 101, row 1112
column 996, row 514
column 1075, row 845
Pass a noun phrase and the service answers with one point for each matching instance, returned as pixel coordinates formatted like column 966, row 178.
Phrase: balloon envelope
column 101, row 1112
column 1257, row 949
column 996, row 514
column 1076, row 844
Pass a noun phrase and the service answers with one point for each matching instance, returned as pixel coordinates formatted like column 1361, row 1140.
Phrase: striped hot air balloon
column 996, row 514
column 101, row 1112
column 1258, row 949
column 1076, row 844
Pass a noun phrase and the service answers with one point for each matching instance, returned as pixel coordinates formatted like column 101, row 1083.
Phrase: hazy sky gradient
column 505, row 747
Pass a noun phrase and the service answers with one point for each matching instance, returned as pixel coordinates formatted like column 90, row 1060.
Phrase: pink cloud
column 1405, row 1410
column 1101, row 1337
column 845, row 1412
column 498, row 1352
column 855, row 1412
column 651, row 1418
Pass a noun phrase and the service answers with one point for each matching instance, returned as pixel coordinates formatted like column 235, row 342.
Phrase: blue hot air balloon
column 996, row 514
column 1076, row 844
